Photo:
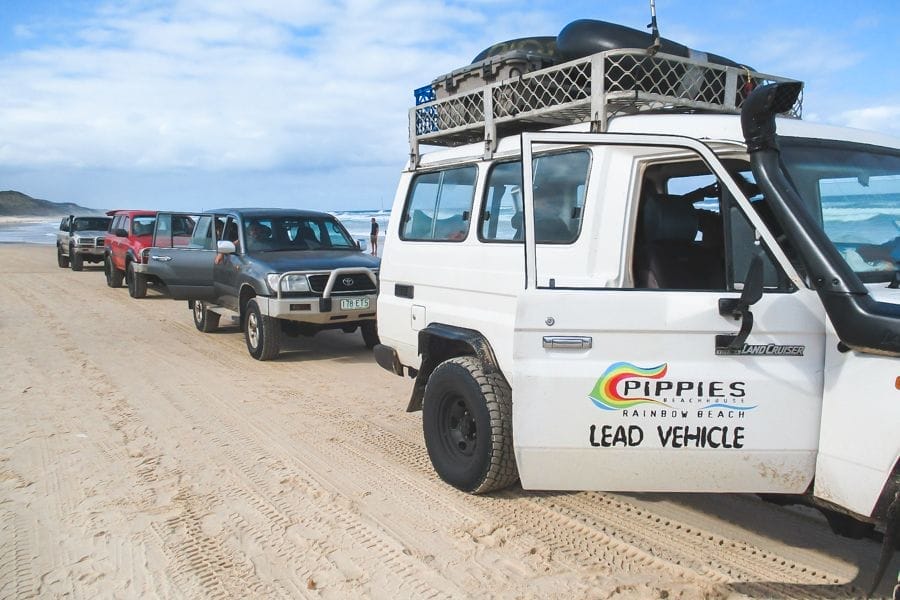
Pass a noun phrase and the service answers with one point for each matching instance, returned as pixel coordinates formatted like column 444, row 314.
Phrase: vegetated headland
column 17, row 204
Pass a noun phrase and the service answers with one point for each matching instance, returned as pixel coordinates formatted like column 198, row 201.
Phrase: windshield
column 274, row 234
column 91, row 224
column 854, row 190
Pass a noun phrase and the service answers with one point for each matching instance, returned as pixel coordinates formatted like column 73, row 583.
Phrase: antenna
column 654, row 30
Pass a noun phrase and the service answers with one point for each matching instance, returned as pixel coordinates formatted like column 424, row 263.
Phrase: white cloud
column 885, row 118
column 212, row 85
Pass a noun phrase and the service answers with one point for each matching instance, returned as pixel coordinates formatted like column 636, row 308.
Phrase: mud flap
column 891, row 531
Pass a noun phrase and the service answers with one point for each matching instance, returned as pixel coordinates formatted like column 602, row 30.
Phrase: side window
column 143, row 225
column 115, row 223
column 691, row 235
column 501, row 213
column 203, row 234
column 439, row 205
column 336, row 236
column 63, row 223
column 258, row 234
column 230, row 233
column 559, row 190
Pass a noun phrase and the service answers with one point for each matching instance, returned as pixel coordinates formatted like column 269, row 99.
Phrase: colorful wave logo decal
column 605, row 394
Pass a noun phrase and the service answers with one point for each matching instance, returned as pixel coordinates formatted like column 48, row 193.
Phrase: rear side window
column 439, row 206
column 501, row 215
column 143, row 225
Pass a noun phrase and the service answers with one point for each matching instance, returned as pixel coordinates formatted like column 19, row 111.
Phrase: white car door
column 621, row 388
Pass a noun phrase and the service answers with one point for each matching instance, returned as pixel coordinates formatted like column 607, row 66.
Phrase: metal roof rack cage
column 592, row 89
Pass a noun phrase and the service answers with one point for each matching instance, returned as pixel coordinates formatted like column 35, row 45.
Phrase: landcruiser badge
column 347, row 281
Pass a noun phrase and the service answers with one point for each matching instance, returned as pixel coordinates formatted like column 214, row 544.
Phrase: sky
column 194, row 104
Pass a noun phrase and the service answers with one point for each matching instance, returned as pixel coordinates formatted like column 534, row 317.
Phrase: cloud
column 884, row 118
column 201, row 84
column 797, row 51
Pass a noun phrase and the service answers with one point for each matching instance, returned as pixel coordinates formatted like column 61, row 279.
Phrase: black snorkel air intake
column 861, row 323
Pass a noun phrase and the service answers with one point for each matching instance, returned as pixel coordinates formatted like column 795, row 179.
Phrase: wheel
column 61, row 259
column 204, row 319
column 75, row 260
column 137, row 284
column 467, row 421
column 262, row 333
column 370, row 333
column 113, row 275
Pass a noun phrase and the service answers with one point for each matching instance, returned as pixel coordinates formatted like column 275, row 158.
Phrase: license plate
column 354, row 303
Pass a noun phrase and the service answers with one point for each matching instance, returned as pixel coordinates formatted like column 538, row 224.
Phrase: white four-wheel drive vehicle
column 651, row 298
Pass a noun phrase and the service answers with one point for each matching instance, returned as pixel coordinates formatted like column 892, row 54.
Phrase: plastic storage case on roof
column 498, row 67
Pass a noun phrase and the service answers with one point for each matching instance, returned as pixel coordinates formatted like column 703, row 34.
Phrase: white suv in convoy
column 652, row 297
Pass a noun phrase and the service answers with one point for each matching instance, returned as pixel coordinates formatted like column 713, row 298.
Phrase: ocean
column 43, row 231
column 844, row 222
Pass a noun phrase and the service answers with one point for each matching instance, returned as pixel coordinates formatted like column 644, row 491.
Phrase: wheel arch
column 246, row 292
column 439, row 342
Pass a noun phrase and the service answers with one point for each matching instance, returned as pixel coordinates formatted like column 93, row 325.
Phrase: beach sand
column 140, row 458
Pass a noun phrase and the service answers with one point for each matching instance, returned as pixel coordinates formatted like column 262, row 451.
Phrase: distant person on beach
column 373, row 237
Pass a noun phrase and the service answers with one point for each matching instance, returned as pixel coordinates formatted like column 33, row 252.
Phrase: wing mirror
column 121, row 233
column 739, row 308
column 362, row 244
column 225, row 247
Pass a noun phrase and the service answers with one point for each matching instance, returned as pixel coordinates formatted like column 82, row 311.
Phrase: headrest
column 668, row 219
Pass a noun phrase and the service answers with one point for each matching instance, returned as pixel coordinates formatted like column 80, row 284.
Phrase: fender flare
column 439, row 342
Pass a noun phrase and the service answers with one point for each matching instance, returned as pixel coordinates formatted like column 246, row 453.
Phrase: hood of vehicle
column 313, row 260
column 88, row 233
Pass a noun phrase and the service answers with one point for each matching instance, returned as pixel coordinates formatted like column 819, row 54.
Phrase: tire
column 61, row 259
column 204, row 319
column 262, row 333
column 370, row 333
column 75, row 260
column 137, row 285
column 467, row 421
column 113, row 275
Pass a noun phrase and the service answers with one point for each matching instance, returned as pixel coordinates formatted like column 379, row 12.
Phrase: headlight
column 291, row 283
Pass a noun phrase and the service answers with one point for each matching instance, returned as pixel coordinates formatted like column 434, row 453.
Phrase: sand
column 140, row 458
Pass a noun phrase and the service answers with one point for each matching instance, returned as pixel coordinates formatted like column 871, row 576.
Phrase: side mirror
column 121, row 233
column 225, row 247
column 739, row 308
column 362, row 244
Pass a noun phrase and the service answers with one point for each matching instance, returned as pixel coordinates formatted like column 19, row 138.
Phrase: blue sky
column 189, row 104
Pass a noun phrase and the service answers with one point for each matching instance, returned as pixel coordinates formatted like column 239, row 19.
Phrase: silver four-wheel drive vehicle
column 280, row 271
column 80, row 240
column 663, row 295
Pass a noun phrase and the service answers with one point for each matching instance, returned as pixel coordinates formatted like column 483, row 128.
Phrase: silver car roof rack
column 592, row 89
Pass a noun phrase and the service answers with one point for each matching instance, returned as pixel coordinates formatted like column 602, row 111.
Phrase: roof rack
column 592, row 89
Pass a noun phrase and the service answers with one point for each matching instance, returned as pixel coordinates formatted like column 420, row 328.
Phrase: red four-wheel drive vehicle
column 129, row 233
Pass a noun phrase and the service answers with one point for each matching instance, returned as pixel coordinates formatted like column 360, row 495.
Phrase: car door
column 619, row 385
column 181, row 259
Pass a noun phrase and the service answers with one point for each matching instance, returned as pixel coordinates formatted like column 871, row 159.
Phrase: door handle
column 161, row 258
column 568, row 342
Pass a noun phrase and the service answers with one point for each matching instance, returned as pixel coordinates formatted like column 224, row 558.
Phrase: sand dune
column 140, row 458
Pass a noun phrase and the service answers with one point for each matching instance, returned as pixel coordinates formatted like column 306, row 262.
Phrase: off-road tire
column 75, row 260
column 61, row 259
column 204, row 319
column 113, row 275
column 467, row 421
column 370, row 333
column 261, row 332
column 137, row 284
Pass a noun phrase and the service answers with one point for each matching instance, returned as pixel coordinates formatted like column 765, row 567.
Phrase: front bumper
column 326, row 308
column 314, row 309
column 89, row 251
